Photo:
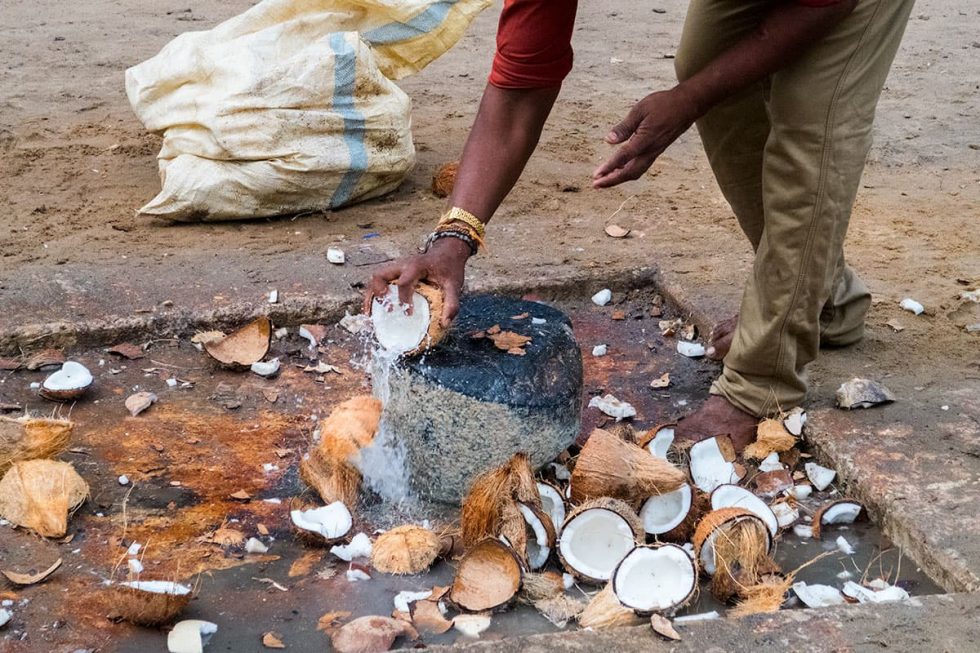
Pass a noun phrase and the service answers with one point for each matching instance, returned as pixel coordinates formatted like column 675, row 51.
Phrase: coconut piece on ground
column 28, row 438
column 30, row 579
column 801, row 492
column 541, row 535
column 844, row 546
column 40, row 494
column 150, row 602
column 863, row 393
column 552, row 503
column 794, row 421
column 655, row 579
column 690, row 349
column 406, row 549
column 659, row 443
column 140, row 401
column 331, row 522
column 771, row 463
column 733, row 496
column 602, row 297
column 68, row 383
column 560, row 609
column 471, row 625
column 359, row 547
column 267, row 368
column 842, row 511
column 818, row 596
column 613, row 407
column 771, row 436
column 5, row 617
column 912, row 306
column 489, row 503
column 786, row 514
column 732, row 541
column 820, row 476
column 336, row 256
column 610, row 467
column 662, row 513
column 772, row 484
column 243, row 347
column 255, row 545
column 605, row 611
column 488, row 577
column 662, row 626
column 444, row 179
column 867, row 595
column 543, row 585
column 403, row 334
column 712, row 463
column 427, row 617
column 45, row 359
column 596, row 536
column 190, row 636
column 371, row 634
column 403, row 600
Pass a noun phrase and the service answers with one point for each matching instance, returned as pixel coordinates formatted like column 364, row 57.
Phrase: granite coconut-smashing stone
column 465, row 406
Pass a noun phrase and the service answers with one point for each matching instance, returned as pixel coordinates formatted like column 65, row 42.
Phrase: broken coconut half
column 843, row 511
column 150, row 602
column 540, row 535
column 68, row 383
column 406, row 549
column 596, row 536
column 660, row 441
column 552, row 503
column 821, row 477
column 655, row 579
column 734, row 496
column 713, row 463
column 488, row 577
column 720, row 525
column 399, row 332
column 244, row 347
column 330, row 523
column 610, row 467
column 40, row 494
column 662, row 513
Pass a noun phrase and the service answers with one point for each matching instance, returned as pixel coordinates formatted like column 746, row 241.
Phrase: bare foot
column 718, row 417
column 721, row 338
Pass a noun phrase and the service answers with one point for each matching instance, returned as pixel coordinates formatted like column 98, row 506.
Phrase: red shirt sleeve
column 534, row 43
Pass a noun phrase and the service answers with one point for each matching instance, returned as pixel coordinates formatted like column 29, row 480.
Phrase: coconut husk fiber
column 741, row 557
column 39, row 495
column 490, row 505
column 611, row 467
column 406, row 549
column 542, row 586
column 329, row 469
column 771, row 436
column 29, row 438
column 605, row 611
column 444, row 179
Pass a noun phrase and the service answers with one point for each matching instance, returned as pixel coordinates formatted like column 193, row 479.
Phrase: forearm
column 787, row 31
column 504, row 135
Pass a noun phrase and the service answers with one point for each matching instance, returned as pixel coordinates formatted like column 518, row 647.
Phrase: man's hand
column 443, row 265
column 651, row 125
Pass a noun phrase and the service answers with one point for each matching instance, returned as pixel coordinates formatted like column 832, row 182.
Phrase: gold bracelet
column 457, row 214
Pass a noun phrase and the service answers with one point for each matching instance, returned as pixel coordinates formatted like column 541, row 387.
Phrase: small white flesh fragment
column 702, row 616
column 273, row 296
column 844, row 546
column 786, row 515
column 567, row 581
column 602, row 297
column 402, row 599
column 123, row 480
column 190, row 636
column 336, row 255
column 355, row 324
column 912, row 306
column 158, row 587
column 280, row 333
column 354, row 575
column 801, row 492
column 818, row 596
column 613, row 407
column 134, row 549
column 709, row 469
column 538, row 320
column 471, row 625
column 660, row 444
column 844, row 512
column 552, row 503
column 538, row 550
column 821, row 477
column 795, row 421
column 690, row 349
column 803, row 531
column 305, row 333
column 171, row 383
column 600, row 350
column 135, row 566
column 770, row 463
column 868, row 595
column 266, row 368
column 359, row 547
column 332, row 521
column 71, row 376
column 5, row 617
column 663, row 512
column 254, row 545
column 560, row 471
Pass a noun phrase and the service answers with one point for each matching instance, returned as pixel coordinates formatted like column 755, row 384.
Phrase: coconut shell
column 605, row 611
column 39, row 495
column 370, row 634
column 436, row 331
column 444, row 179
column 493, row 493
column 610, row 467
column 643, row 439
column 715, row 519
column 817, row 523
column 29, row 438
column 741, row 550
column 524, row 486
column 427, row 617
column 147, row 608
column 240, row 349
column 771, row 436
column 405, row 550
column 513, row 528
column 488, row 577
column 683, row 532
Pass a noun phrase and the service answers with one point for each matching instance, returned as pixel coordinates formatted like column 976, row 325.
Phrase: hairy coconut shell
column 444, row 179
column 370, row 634
column 489, row 503
column 39, row 495
column 610, row 467
column 147, row 608
column 488, row 577
column 524, row 486
column 683, row 532
column 765, row 597
column 717, row 518
column 513, row 529
column 616, row 506
column 817, row 523
column 29, row 438
column 605, row 611
column 643, row 439
column 406, row 549
column 741, row 550
column 542, row 586
column 624, row 431
column 248, row 345
column 771, row 436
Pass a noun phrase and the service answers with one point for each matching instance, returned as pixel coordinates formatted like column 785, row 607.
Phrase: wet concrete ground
column 191, row 451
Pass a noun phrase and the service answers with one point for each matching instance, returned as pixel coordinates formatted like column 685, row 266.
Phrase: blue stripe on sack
column 345, row 77
column 425, row 22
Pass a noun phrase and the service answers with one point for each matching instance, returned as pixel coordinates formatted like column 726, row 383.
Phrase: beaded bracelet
column 452, row 233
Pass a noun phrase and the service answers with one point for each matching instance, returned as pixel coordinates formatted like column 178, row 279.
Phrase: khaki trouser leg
column 820, row 111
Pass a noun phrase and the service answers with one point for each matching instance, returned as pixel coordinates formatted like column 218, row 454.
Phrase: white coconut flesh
column 552, row 503
column 795, row 421
column 820, row 476
column 396, row 330
column 664, row 512
column 190, row 636
column 707, row 557
column 332, row 522
column 158, row 587
column 709, row 469
column 660, row 444
column 71, row 376
column 770, row 463
column 733, row 496
column 844, row 512
column 593, row 542
column 655, row 579
column 818, row 596
column 538, row 548
column 786, row 515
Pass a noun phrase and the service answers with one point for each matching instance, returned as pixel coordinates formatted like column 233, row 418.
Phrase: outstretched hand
column 443, row 265
column 651, row 125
